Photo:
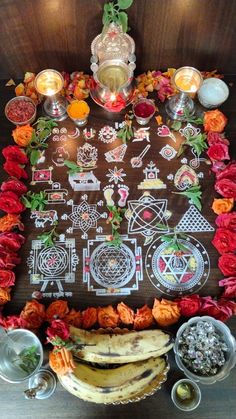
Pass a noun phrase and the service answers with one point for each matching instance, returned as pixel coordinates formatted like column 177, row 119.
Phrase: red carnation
column 229, row 172
column 14, row 185
column 11, row 241
column 189, row 305
column 14, row 170
column 227, row 264
column 7, row 278
column 218, row 151
column 59, row 329
column 224, row 241
column 10, row 203
column 15, row 154
column 216, row 137
column 227, row 220
column 8, row 260
column 217, row 309
column 230, row 287
column 226, row 188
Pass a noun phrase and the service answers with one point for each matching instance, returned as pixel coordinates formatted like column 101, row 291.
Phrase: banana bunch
column 139, row 369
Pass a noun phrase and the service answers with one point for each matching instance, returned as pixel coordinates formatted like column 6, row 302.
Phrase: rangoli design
column 141, row 134
column 56, row 195
column 116, row 175
column 117, row 154
column 87, row 156
column 168, row 152
column 84, row 181
column 50, row 266
column 193, row 222
column 74, row 134
column 189, row 131
column 41, row 175
column 185, row 178
column 177, row 272
column 107, row 134
column 151, row 180
column 89, row 134
column 42, row 217
column 165, row 131
column 59, row 156
column 138, row 160
column 112, row 270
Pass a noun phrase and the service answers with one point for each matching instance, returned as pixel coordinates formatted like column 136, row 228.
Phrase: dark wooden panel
column 171, row 33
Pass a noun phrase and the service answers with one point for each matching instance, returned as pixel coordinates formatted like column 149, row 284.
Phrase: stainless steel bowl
column 229, row 340
column 21, row 339
column 16, row 100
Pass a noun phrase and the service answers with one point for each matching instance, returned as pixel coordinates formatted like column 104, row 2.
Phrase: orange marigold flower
column 222, row 205
column 214, row 121
column 143, row 318
column 34, row 314
column 159, row 120
column 89, row 317
column 20, row 90
column 10, row 221
column 74, row 318
column 108, row 317
column 165, row 312
column 126, row 314
column 22, row 135
column 5, row 295
column 61, row 361
column 57, row 310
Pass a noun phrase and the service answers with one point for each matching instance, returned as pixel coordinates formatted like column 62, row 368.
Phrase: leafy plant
column 188, row 117
column 198, row 143
column 173, row 239
column 176, row 125
column 126, row 132
column 43, row 129
column 28, row 359
column 49, row 237
column 194, row 193
column 115, row 218
column 74, row 168
column 34, row 201
column 113, row 12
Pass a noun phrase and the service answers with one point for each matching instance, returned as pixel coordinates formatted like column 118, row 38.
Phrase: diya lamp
column 112, row 64
column 49, row 83
column 187, row 80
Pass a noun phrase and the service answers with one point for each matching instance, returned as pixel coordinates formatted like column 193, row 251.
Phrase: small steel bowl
column 21, row 339
column 197, row 396
column 16, row 100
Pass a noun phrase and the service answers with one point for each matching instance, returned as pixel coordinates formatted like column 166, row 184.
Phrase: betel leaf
column 124, row 4
column 176, row 125
column 123, row 21
column 34, row 156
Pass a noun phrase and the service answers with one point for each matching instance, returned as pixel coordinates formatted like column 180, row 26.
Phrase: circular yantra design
column 112, row 266
column 179, row 272
column 53, row 261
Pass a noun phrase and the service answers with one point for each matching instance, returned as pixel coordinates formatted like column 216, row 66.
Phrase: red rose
column 227, row 220
column 59, row 329
column 226, row 188
column 218, row 310
column 14, row 185
column 229, row 172
column 13, row 322
column 15, row 154
column 227, row 264
column 10, row 203
column 224, row 241
column 7, row 278
column 34, row 314
column 15, row 170
column 230, row 287
column 8, row 260
column 11, row 241
column 216, row 137
column 218, row 151
column 218, row 166
column 189, row 305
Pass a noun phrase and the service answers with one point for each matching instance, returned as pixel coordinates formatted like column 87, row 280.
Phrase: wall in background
column 38, row 34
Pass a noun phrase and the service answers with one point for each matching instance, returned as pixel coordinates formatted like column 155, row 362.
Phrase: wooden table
column 217, row 400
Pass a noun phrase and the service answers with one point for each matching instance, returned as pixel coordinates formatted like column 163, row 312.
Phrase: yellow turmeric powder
column 78, row 109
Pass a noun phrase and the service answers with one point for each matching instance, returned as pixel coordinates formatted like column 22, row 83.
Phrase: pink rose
column 224, row 241
column 13, row 322
column 217, row 309
column 227, row 220
column 218, row 151
column 226, row 188
column 227, row 264
column 230, row 287
column 216, row 137
column 229, row 172
column 59, row 329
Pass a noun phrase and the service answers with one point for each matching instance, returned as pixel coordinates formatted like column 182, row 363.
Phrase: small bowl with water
column 21, row 355
column 186, row 395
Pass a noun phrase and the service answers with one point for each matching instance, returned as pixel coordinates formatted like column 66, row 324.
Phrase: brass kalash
column 112, row 64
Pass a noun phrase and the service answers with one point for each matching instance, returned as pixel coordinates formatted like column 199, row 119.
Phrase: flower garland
column 164, row 312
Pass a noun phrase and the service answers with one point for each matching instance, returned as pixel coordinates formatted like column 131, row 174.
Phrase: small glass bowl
column 213, row 93
column 197, row 395
column 222, row 330
column 80, row 122
column 15, row 102
column 143, row 120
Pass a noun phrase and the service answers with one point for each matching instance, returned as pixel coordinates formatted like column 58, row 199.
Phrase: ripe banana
column 114, row 385
column 115, row 348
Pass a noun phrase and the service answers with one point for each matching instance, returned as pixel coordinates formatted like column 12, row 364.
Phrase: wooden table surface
column 218, row 400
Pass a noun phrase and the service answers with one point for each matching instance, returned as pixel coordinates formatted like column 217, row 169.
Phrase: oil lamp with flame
column 113, row 64
column 49, row 83
column 187, row 80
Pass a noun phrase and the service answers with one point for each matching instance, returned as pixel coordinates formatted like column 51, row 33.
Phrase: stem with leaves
column 49, row 237
column 191, row 119
column 74, row 168
column 34, row 201
column 198, row 143
column 194, row 194
column 28, row 359
column 126, row 132
column 43, row 129
column 113, row 12
column 115, row 217
column 173, row 239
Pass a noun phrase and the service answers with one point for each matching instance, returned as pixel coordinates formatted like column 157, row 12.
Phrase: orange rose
column 57, row 310
column 34, row 314
column 22, row 135
column 5, row 295
column 10, row 221
column 89, row 317
column 74, row 318
column 61, row 361
column 222, row 205
column 143, row 318
column 214, row 121
column 165, row 312
column 125, row 313
column 108, row 317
